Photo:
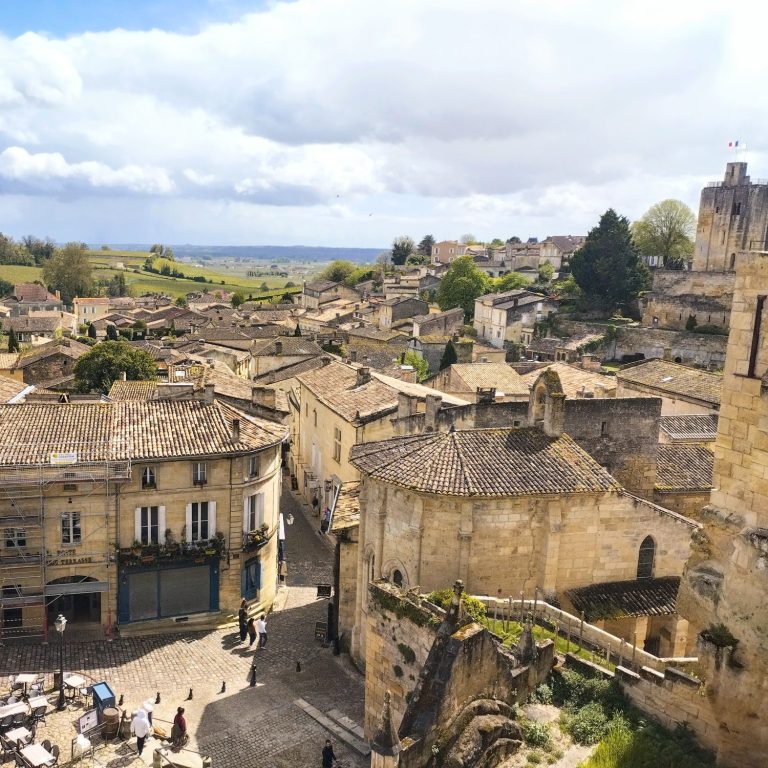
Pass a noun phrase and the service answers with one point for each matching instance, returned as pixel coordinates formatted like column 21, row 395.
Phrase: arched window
column 397, row 578
column 645, row 558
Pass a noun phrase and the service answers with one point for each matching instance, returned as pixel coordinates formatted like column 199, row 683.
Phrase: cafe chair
column 47, row 744
column 20, row 761
column 11, row 700
column 6, row 723
column 19, row 719
column 38, row 715
column 55, row 751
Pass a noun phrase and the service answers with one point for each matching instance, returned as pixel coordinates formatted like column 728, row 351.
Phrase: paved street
column 245, row 726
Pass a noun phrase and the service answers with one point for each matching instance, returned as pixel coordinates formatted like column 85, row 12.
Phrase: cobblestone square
column 245, row 726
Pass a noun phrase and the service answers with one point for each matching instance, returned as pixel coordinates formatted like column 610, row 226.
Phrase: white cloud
column 49, row 170
column 526, row 117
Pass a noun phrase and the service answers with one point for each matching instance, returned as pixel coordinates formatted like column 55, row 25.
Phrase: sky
column 351, row 122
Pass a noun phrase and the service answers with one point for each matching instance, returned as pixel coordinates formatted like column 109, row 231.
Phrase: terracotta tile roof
column 375, row 334
column 499, row 375
column 289, row 371
column 674, row 379
column 616, row 599
column 89, row 300
column 684, row 468
column 40, row 322
column 574, row 378
column 292, row 346
column 68, row 348
column 128, row 430
column 695, row 426
column 336, row 386
column 346, row 512
column 10, row 388
column 8, row 360
column 566, row 243
column 320, row 286
column 32, row 292
column 484, row 462
column 122, row 391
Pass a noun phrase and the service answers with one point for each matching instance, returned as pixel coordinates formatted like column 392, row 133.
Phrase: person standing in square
column 261, row 628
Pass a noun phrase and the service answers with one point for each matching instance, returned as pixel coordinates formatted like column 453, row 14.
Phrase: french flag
column 733, row 144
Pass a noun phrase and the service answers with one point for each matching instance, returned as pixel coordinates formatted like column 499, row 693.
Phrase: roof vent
column 278, row 347
column 235, row 430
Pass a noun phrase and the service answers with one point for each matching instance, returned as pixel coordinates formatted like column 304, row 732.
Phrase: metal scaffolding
column 24, row 553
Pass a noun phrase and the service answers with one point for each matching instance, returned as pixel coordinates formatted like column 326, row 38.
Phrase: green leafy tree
column 546, row 273
column 402, row 248
column 497, row 242
column 510, row 282
column 112, row 333
column 13, row 342
column 449, row 356
column 157, row 248
column 40, row 250
column 359, row 275
column 69, row 272
column 514, row 239
column 263, row 287
column 117, row 286
column 337, row 271
column 92, row 331
column 608, row 267
column 98, row 368
column 461, row 285
column 469, row 239
column 237, row 299
column 6, row 288
column 666, row 229
column 420, row 365
column 425, row 245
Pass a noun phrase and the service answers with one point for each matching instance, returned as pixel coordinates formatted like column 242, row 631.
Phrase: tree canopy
column 69, row 271
column 608, row 267
column 419, row 364
column 449, row 356
column 510, row 282
column 666, row 229
column 337, row 271
column 425, row 245
column 461, row 285
column 101, row 366
column 402, row 248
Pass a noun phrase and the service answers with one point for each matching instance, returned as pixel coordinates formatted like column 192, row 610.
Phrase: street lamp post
column 61, row 625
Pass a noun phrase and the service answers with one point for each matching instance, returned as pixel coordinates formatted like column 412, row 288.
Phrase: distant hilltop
column 259, row 252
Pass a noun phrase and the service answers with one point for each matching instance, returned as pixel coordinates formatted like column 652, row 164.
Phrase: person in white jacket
column 141, row 727
column 261, row 628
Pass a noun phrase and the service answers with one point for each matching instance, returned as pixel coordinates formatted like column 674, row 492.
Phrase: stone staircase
column 344, row 728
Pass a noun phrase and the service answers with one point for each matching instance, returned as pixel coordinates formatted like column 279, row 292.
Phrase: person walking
column 251, row 632
column 261, row 628
column 242, row 620
column 329, row 758
column 141, row 727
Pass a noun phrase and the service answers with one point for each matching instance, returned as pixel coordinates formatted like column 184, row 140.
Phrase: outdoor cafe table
column 17, row 734
column 37, row 755
column 14, row 709
column 26, row 678
column 38, row 701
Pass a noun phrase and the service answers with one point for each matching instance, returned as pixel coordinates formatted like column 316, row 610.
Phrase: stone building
column 501, row 318
column 469, row 380
column 515, row 510
column 136, row 512
column 439, row 323
column 321, row 292
column 400, row 308
column 726, row 578
column 733, row 217
column 683, row 477
column 682, row 390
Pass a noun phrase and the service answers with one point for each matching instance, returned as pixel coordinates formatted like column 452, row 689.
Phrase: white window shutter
column 161, row 525
column 245, row 514
column 137, row 525
column 211, row 519
column 259, row 509
column 189, row 522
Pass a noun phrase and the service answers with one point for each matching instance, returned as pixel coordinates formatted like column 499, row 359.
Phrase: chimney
column 363, row 376
column 433, row 403
column 209, row 389
column 405, row 405
column 264, row 397
column 278, row 347
column 353, row 355
column 455, row 337
column 408, row 373
column 235, row 430
column 123, row 376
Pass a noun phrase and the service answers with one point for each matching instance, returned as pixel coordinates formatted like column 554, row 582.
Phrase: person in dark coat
column 251, row 626
column 328, row 757
column 242, row 620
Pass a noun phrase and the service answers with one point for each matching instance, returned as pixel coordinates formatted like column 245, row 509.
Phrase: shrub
column 407, row 652
column 533, row 758
column 472, row 606
column 588, row 725
column 542, row 695
column 536, row 734
column 398, row 670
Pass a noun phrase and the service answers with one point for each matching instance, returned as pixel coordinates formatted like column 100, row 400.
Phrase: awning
column 620, row 599
column 78, row 588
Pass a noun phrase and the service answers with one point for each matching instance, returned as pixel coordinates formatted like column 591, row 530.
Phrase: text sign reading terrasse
column 64, row 458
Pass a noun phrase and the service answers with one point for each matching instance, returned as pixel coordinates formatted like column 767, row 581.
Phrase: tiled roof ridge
column 470, row 486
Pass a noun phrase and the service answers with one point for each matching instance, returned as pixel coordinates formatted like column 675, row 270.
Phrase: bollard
column 298, row 666
column 157, row 759
column 634, row 649
column 122, row 699
column 223, row 687
column 253, row 675
column 157, row 698
column 189, row 698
